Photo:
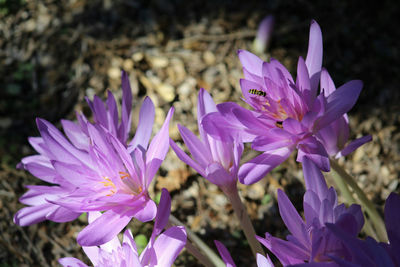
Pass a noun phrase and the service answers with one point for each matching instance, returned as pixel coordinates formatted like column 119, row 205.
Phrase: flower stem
column 373, row 214
column 210, row 258
column 245, row 222
column 348, row 196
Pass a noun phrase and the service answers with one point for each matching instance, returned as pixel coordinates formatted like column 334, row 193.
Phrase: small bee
column 279, row 124
column 257, row 92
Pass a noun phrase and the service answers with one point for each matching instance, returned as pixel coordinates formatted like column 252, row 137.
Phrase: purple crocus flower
column 264, row 33
column 310, row 240
column 227, row 258
column 286, row 114
column 162, row 249
column 368, row 252
column 335, row 136
column 95, row 170
column 216, row 160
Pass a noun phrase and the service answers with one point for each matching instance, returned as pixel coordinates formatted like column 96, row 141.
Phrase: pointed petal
column 314, row 54
column 158, row 149
column 205, row 104
column 197, row 148
column 125, row 125
column 186, row 159
column 340, row 102
column 355, row 144
column 112, row 113
column 315, row 151
column 145, row 126
column 163, row 211
column 74, row 133
column 392, row 219
column 31, row 215
column 327, row 85
column 250, row 62
column 255, row 169
column 104, row 228
column 292, row 219
column 71, row 262
column 314, row 179
column 62, row 214
column 225, row 255
column 303, row 83
column 263, row 261
column 169, row 244
column 146, row 212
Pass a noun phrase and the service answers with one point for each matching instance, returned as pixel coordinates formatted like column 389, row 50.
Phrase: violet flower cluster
column 158, row 252
column 94, row 169
column 286, row 114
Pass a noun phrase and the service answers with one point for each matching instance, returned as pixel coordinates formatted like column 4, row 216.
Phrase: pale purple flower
column 227, row 258
column 286, row 114
column 95, row 170
column 215, row 160
column 162, row 250
column 368, row 252
column 264, row 33
column 310, row 240
column 335, row 136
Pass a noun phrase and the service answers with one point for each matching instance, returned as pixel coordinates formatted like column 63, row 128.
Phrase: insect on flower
column 257, row 92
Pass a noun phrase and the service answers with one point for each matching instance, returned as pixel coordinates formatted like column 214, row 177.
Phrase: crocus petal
column 314, row 179
column 197, row 148
column 104, row 228
column 37, row 143
column 314, row 54
column 112, row 113
column 255, row 169
column 292, row 219
column 186, row 159
column 71, row 262
column 39, row 194
column 217, row 175
column 146, row 119
column 286, row 252
column 315, row 151
column 163, row 211
column 263, row 261
column 158, row 149
column 327, row 84
column 58, row 145
column 61, row 214
column 354, row 145
column 340, row 102
column 250, row 62
column 125, row 125
column 205, row 105
column 99, row 111
column 392, row 219
column 304, row 84
column 263, row 34
column 93, row 254
column 77, row 137
column 147, row 212
column 31, row 215
column 226, row 256
column 169, row 244
column 40, row 167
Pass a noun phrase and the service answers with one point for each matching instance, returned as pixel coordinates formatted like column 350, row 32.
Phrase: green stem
column 373, row 214
column 245, row 222
column 213, row 258
column 348, row 196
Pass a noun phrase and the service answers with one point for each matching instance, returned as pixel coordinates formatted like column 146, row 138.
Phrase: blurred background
column 53, row 53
